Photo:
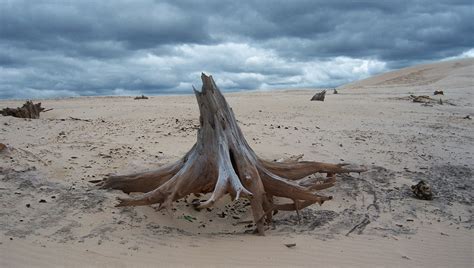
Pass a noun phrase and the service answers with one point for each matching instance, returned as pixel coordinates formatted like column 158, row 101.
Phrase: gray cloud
column 63, row 48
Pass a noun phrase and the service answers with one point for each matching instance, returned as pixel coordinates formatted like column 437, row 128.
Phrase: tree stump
column 28, row 110
column 222, row 162
column 142, row 97
column 319, row 96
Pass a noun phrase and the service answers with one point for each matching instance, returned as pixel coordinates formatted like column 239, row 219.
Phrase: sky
column 86, row 48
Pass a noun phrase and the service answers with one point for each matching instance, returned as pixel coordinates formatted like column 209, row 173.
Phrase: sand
column 50, row 215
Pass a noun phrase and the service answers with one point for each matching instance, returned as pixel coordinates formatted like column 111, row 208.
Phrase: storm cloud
column 73, row 48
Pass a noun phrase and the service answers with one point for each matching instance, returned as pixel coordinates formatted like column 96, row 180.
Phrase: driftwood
column 421, row 99
column 79, row 119
column 319, row 96
column 360, row 226
column 428, row 101
column 142, row 97
column 221, row 162
column 28, row 110
column 438, row 92
column 422, row 191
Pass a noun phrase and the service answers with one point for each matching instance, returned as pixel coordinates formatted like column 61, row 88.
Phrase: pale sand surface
column 370, row 122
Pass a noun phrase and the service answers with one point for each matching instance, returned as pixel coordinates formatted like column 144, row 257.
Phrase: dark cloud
column 69, row 48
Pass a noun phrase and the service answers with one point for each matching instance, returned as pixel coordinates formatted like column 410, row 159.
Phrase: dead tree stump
column 221, row 162
column 142, row 97
column 28, row 110
column 319, row 96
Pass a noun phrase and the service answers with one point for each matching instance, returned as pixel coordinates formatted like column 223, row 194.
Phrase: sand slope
column 436, row 75
column 53, row 158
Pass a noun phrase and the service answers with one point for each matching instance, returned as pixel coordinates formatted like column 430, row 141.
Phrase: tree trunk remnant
column 28, row 110
column 222, row 162
column 319, row 96
column 142, row 97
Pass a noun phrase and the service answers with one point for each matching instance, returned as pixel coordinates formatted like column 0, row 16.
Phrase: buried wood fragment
column 142, row 97
column 421, row 99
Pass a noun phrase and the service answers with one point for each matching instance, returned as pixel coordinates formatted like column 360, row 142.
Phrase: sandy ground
column 50, row 215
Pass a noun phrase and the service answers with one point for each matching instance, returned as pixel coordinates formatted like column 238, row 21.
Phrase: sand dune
column 50, row 215
column 436, row 75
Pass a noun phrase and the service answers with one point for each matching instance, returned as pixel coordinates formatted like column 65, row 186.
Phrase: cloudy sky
column 71, row 48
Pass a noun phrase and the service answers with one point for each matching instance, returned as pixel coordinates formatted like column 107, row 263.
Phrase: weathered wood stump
column 28, row 110
column 142, row 97
column 222, row 162
column 319, row 96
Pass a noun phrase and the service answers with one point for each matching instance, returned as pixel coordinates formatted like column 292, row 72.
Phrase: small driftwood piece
column 142, row 97
column 319, row 96
column 421, row 99
column 422, row 191
column 427, row 100
column 79, row 119
column 28, row 110
column 221, row 162
column 438, row 92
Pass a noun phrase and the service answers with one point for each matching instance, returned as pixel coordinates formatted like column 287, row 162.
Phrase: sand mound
column 441, row 74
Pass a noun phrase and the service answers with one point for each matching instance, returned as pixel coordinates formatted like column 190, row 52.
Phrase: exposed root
column 282, row 187
column 298, row 170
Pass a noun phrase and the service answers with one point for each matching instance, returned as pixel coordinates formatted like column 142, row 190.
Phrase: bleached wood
column 223, row 163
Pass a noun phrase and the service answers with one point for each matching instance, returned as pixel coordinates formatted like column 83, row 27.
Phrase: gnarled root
column 223, row 163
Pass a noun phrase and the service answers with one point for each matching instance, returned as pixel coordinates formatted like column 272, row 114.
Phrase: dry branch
column 422, row 190
column 222, row 162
